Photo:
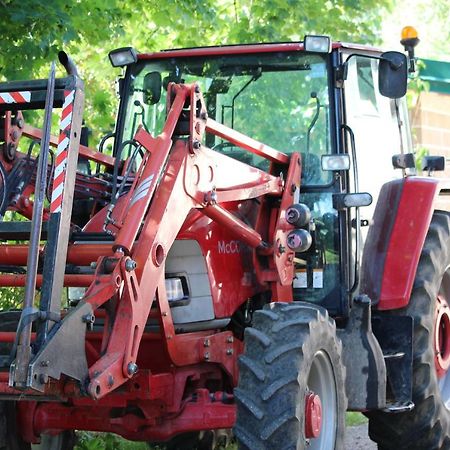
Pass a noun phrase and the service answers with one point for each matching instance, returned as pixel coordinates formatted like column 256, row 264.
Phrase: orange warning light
column 409, row 33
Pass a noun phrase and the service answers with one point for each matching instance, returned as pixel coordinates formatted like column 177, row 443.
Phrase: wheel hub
column 442, row 337
column 313, row 415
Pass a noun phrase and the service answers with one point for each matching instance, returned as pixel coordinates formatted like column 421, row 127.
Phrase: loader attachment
column 66, row 93
column 177, row 177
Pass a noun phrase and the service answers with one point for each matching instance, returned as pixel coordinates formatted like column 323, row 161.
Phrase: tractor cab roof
column 245, row 48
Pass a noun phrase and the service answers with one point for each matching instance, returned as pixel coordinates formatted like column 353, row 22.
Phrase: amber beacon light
column 409, row 40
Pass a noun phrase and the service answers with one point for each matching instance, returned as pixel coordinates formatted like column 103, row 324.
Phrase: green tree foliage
column 34, row 30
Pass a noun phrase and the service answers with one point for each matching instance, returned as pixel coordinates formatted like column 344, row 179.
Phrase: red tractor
column 197, row 279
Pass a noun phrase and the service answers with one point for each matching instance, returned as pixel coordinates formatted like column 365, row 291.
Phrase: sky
column 432, row 21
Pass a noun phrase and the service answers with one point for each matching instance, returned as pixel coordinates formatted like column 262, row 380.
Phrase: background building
column 430, row 118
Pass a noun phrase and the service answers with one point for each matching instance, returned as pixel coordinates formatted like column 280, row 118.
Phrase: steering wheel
column 238, row 153
column 223, row 145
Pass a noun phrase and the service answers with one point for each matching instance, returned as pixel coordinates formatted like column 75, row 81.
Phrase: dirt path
column 356, row 438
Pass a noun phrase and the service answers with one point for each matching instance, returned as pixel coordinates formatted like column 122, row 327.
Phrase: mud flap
column 366, row 370
column 395, row 335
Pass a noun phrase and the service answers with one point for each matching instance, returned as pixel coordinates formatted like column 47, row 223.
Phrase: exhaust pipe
column 68, row 63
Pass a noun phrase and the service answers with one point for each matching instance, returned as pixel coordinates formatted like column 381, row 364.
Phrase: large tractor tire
column 427, row 426
column 290, row 374
column 10, row 438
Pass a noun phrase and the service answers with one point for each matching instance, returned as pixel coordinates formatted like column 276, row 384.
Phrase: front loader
column 256, row 254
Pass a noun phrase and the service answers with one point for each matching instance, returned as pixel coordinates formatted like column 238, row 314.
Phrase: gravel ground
column 357, row 438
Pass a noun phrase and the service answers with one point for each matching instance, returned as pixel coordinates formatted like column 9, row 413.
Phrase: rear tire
column 290, row 350
column 11, row 439
column 427, row 426
column 62, row 441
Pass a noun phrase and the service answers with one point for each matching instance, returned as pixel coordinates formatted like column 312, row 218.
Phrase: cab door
column 380, row 127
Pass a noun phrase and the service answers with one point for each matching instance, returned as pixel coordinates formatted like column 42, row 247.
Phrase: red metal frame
column 86, row 152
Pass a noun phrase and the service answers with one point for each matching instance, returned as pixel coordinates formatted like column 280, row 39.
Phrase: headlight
column 176, row 289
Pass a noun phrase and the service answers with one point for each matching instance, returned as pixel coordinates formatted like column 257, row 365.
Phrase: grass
column 355, row 418
column 106, row 441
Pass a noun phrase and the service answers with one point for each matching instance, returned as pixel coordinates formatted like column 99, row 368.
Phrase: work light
column 317, row 44
column 335, row 162
column 121, row 57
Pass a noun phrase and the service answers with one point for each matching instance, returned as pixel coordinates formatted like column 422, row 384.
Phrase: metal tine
column 19, row 369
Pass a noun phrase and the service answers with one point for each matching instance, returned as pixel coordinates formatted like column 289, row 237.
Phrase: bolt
column 293, row 188
column 363, row 300
column 197, row 88
column 45, row 363
column 132, row 368
column 93, row 265
column 204, row 115
column 281, row 249
column 110, row 381
column 164, row 313
column 88, row 318
column 206, row 356
column 229, row 351
column 211, row 197
column 206, row 343
column 230, row 339
column 196, row 144
column 292, row 215
column 43, row 378
column 130, row 265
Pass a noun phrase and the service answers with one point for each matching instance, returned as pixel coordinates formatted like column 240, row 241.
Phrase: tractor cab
column 338, row 105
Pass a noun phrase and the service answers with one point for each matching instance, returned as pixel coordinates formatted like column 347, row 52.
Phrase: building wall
column 430, row 122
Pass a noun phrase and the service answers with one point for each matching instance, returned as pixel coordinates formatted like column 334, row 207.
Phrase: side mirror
column 433, row 163
column 152, row 88
column 393, row 74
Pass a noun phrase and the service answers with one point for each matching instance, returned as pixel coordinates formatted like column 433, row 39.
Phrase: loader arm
column 177, row 174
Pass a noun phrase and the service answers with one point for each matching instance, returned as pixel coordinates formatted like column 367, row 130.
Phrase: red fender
column 395, row 240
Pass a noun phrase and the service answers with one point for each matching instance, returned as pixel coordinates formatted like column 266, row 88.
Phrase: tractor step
column 396, row 408
column 396, row 355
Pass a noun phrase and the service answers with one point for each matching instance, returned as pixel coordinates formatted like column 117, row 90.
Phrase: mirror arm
column 341, row 73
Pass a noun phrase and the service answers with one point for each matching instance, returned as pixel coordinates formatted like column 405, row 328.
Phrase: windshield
column 280, row 99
